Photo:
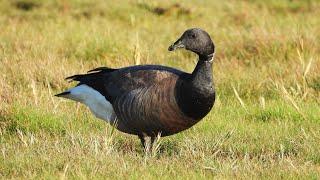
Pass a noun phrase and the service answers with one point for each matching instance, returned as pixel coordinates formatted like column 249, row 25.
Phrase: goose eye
column 193, row 35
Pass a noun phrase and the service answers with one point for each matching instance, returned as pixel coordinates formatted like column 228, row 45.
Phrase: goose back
column 113, row 83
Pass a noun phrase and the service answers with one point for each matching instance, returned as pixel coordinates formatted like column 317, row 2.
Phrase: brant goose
column 147, row 100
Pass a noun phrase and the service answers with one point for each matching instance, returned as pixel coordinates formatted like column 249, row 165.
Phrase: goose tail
column 63, row 94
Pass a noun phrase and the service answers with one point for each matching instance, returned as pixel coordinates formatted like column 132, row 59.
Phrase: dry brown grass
column 265, row 123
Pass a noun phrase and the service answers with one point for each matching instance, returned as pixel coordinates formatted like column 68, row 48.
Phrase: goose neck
column 202, row 74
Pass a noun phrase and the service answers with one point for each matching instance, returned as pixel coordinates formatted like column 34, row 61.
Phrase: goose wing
column 113, row 83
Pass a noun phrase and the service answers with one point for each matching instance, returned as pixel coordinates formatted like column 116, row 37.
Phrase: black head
column 197, row 41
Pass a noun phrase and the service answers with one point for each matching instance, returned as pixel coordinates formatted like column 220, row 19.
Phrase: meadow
column 265, row 123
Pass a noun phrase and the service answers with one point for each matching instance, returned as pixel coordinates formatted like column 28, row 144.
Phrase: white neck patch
column 212, row 57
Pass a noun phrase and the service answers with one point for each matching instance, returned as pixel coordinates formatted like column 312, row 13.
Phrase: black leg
column 146, row 142
column 152, row 139
column 143, row 141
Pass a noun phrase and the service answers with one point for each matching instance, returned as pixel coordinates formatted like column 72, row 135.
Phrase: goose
column 151, row 100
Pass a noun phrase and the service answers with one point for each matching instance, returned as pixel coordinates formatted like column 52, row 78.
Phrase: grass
column 265, row 123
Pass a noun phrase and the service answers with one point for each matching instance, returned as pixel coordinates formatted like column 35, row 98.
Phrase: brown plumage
column 150, row 99
column 151, row 110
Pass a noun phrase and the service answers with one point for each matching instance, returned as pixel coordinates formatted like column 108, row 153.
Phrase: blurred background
column 266, row 121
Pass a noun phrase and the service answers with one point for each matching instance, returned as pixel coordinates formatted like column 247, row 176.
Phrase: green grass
column 265, row 123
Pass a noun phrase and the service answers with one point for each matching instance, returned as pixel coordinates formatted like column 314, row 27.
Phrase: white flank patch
column 97, row 103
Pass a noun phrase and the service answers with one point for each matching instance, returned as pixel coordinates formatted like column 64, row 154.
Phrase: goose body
column 146, row 100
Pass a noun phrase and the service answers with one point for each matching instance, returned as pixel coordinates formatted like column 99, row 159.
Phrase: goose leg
column 147, row 142
column 143, row 141
column 152, row 140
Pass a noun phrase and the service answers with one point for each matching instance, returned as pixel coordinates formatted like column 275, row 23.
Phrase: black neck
column 195, row 93
column 202, row 74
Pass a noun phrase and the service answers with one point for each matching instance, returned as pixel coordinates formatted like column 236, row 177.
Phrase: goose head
column 197, row 41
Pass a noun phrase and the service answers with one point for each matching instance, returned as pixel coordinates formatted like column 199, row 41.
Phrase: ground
column 264, row 124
